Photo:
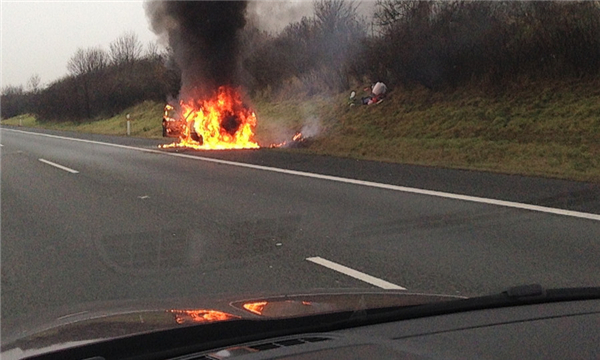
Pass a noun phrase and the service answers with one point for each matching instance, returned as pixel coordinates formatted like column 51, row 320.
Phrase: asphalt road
column 110, row 218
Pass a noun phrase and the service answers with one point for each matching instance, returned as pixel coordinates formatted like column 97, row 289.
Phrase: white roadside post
column 128, row 125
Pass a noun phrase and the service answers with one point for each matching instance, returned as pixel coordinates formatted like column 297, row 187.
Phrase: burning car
column 171, row 126
column 175, row 125
column 217, row 123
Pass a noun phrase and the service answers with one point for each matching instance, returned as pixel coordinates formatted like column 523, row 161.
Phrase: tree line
column 99, row 83
column 451, row 43
column 436, row 44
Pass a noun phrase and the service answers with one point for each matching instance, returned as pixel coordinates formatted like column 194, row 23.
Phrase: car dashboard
column 557, row 330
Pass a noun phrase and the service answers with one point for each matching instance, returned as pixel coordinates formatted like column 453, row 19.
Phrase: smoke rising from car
column 273, row 16
column 204, row 37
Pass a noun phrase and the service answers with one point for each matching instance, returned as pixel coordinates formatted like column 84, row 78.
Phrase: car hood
column 64, row 328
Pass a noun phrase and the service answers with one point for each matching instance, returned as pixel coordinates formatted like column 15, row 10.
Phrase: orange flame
column 217, row 124
column 297, row 138
column 201, row 316
column 168, row 107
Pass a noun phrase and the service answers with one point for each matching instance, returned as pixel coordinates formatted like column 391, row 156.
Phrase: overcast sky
column 39, row 37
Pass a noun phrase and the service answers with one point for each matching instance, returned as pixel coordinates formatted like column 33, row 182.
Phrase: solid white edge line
column 355, row 274
column 481, row 200
column 59, row 166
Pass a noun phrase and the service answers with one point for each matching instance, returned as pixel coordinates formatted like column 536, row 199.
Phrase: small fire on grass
column 217, row 124
column 297, row 141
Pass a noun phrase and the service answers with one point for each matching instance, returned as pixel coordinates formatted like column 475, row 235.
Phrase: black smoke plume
column 204, row 38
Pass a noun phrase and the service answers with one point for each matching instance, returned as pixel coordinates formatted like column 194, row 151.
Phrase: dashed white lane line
column 355, row 274
column 59, row 166
column 475, row 199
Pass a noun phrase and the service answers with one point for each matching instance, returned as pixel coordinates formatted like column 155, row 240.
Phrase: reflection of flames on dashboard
column 255, row 307
column 201, row 316
column 261, row 307
column 220, row 123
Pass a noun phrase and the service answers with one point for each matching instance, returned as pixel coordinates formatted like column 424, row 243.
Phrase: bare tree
column 339, row 31
column 389, row 12
column 125, row 49
column 335, row 15
column 13, row 101
column 154, row 52
column 86, row 61
column 12, row 90
column 86, row 65
column 33, row 84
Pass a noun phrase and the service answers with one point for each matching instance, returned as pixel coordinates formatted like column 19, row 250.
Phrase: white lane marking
column 59, row 166
column 1, row 145
column 355, row 274
column 476, row 199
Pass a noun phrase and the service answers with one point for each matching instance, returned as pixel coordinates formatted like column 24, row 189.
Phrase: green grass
column 547, row 129
column 145, row 122
column 278, row 121
column 26, row 120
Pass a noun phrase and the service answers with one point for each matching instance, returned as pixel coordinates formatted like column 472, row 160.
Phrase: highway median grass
column 549, row 129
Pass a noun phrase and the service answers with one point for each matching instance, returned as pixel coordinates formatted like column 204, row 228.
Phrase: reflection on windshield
column 201, row 316
column 255, row 307
column 275, row 308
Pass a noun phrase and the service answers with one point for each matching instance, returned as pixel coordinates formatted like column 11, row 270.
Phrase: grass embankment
column 549, row 129
column 145, row 122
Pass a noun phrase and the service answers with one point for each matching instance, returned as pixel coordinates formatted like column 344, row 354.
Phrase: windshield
column 186, row 156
